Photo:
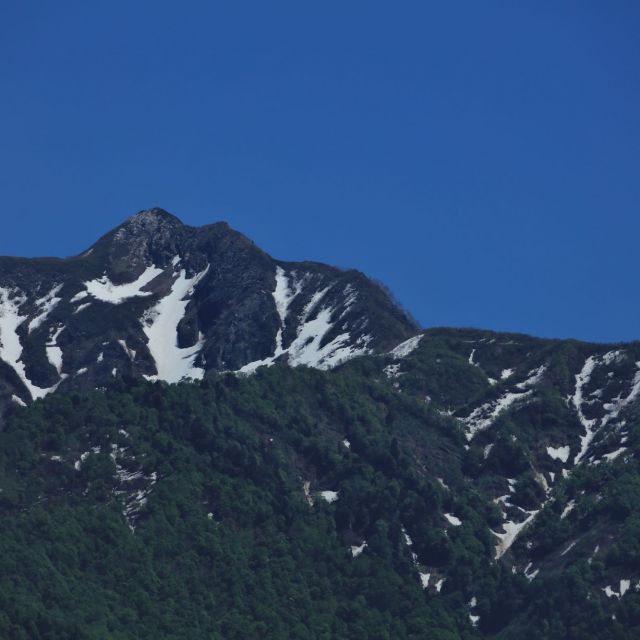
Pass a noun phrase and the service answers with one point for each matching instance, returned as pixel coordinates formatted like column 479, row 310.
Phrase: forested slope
column 297, row 503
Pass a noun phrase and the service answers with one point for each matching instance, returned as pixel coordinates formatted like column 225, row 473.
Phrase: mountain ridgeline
column 199, row 441
column 163, row 300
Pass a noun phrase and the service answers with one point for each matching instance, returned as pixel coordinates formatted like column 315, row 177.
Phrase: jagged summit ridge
column 160, row 299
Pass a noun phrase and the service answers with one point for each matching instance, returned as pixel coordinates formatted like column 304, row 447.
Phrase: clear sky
column 480, row 158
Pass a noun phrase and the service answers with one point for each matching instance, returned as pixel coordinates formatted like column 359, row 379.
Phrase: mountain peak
column 147, row 237
column 157, row 298
column 149, row 222
column 152, row 217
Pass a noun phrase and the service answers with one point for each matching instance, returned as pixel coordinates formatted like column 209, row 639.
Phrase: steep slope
column 281, row 505
column 552, row 431
column 163, row 300
column 317, row 504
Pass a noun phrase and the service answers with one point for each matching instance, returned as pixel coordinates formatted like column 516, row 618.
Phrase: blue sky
column 480, row 158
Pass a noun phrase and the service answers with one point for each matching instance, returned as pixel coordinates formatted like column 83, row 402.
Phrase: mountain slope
column 326, row 469
column 163, row 300
column 302, row 503
column 270, row 506
column 552, row 440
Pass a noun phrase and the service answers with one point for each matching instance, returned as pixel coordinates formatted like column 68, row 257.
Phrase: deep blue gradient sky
column 480, row 158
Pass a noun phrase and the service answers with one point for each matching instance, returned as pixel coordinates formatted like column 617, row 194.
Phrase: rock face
column 163, row 300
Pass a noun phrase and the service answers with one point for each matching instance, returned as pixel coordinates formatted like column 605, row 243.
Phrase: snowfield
column 103, row 289
column 160, row 325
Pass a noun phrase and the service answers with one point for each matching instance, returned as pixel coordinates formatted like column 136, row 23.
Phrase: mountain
column 260, row 449
column 166, row 301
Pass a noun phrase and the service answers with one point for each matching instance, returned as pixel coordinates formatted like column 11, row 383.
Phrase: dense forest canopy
column 297, row 503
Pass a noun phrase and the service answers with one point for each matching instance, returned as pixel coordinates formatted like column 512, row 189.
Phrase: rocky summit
column 199, row 441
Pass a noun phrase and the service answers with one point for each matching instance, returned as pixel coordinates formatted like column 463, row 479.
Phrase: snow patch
column 357, row 550
column 306, row 487
column 530, row 575
column 512, row 529
column 79, row 296
column 392, row 370
column 18, row 400
column 82, row 307
column 103, row 289
column 305, row 349
column 130, row 352
column 10, row 345
column 534, row 377
column 577, row 400
column 77, row 465
column 283, row 295
column 559, row 453
column 45, row 306
column 456, row 522
column 612, row 409
column 614, row 454
column 484, row 416
column 568, row 509
column 160, row 325
column 54, row 352
column 624, row 587
column 350, row 296
column 406, row 347
column 409, row 542
column 134, row 486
